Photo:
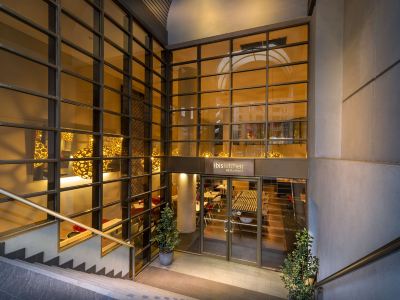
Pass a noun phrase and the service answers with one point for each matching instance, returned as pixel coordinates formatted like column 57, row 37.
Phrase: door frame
column 228, row 256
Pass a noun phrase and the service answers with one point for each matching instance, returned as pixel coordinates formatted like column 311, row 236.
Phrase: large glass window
column 109, row 102
column 243, row 97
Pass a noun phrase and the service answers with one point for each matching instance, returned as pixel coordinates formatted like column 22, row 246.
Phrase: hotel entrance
column 231, row 218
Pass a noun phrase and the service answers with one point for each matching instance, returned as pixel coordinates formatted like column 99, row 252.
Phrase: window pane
column 249, row 61
column 111, row 215
column 27, row 178
column 35, row 112
column 214, row 149
column 210, row 116
column 139, row 52
column 78, row 35
column 158, row 49
column 140, row 185
column 184, row 117
column 14, row 214
column 112, row 101
column 287, row 131
column 158, row 82
column 39, row 15
column 138, row 71
column 215, row 66
column 214, row 83
column 248, row 131
column 158, row 99
column 113, row 78
column 288, row 36
column 289, row 150
column 215, row 99
column 183, row 149
column 156, row 131
column 72, row 145
column 184, row 101
column 75, row 201
column 248, row 149
column 112, row 123
column 214, row 132
column 116, row 13
column 80, row 9
column 23, row 73
column 248, row 96
column 157, row 115
column 158, row 66
column 23, row 38
column 140, row 34
column 76, row 117
column 73, row 88
column 288, row 92
column 184, row 71
column 215, row 49
column 287, row 112
column 248, row 114
column 19, row 143
column 76, row 61
column 249, row 79
column 250, row 43
column 186, row 54
column 113, row 56
column 287, row 55
column 71, row 233
column 287, row 74
column 184, row 86
column 115, row 34
column 184, row 133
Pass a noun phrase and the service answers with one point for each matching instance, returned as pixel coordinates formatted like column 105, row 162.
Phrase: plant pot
column 166, row 258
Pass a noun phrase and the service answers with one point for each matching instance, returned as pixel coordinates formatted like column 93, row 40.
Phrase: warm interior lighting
column 67, row 136
column 207, row 154
column 274, row 154
column 41, row 151
column 223, row 154
column 84, row 168
column 155, row 162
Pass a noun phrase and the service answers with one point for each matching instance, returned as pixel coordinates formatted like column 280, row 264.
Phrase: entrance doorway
column 230, row 210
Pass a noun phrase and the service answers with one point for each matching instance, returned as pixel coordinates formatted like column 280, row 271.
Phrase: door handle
column 225, row 223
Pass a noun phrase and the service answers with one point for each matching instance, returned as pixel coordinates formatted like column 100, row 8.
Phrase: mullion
column 266, row 146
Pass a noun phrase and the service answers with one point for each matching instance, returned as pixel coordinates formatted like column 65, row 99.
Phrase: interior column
column 186, row 210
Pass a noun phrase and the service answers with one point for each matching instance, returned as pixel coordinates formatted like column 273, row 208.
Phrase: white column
column 186, row 210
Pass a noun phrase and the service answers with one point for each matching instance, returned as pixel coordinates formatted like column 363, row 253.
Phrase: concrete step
column 126, row 287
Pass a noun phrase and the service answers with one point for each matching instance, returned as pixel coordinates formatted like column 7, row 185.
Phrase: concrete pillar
column 186, row 210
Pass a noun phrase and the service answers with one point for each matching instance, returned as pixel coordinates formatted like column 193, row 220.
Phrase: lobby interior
column 251, row 119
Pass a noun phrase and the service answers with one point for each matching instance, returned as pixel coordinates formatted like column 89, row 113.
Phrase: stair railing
column 64, row 218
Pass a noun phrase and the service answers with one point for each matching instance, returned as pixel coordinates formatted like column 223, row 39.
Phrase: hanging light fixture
column 40, row 151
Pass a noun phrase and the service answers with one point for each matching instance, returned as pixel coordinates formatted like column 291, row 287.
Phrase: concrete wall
column 354, row 174
column 196, row 19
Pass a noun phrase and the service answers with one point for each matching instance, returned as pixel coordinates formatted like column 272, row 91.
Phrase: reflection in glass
column 249, row 79
column 287, row 74
column 250, row 43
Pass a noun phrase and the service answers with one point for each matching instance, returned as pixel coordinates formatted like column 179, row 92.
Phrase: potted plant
column 167, row 236
column 300, row 268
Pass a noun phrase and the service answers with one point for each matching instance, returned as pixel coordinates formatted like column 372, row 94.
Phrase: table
column 211, row 195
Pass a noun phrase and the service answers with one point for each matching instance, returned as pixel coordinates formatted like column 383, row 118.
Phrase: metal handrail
column 64, row 218
column 379, row 253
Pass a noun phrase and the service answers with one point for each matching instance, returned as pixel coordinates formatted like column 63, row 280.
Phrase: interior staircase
column 31, row 277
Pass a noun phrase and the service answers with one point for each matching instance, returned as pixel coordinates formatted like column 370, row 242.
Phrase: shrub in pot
column 300, row 268
column 167, row 236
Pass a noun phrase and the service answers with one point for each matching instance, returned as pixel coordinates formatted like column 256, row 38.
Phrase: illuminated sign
column 229, row 167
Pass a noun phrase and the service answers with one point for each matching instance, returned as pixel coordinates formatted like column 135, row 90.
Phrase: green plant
column 167, row 235
column 300, row 268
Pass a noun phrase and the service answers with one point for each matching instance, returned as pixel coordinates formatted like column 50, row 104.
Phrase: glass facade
column 82, row 121
column 242, row 97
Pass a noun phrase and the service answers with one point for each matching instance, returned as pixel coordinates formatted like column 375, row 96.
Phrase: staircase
column 32, row 278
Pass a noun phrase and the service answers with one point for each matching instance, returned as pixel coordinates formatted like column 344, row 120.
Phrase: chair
column 217, row 201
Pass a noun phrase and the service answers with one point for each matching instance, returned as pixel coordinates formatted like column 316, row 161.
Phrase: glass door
column 215, row 216
column 244, row 224
column 231, row 226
